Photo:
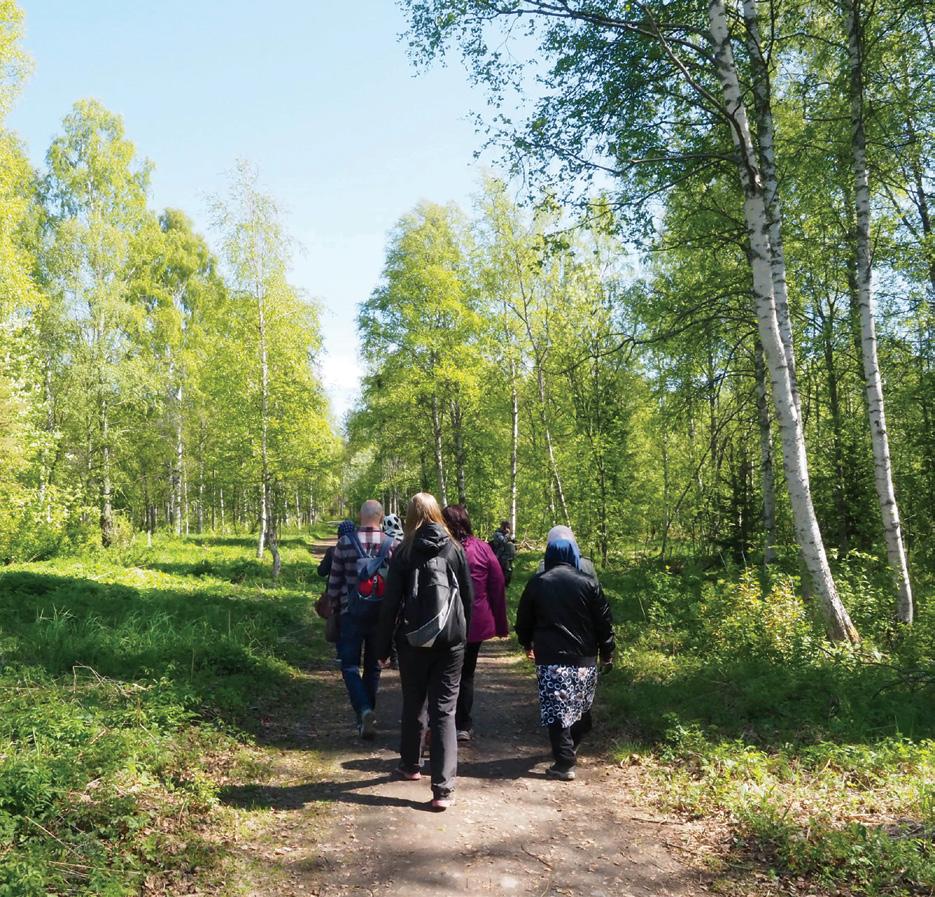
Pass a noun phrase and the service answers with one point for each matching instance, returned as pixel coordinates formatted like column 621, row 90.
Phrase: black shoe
column 562, row 773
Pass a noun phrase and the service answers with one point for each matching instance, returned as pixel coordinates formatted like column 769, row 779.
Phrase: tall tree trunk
column 547, row 435
column 841, row 512
column 808, row 534
column 767, row 475
column 107, row 511
column 178, row 472
column 264, row 425
column 514, row 444
column 762, row 95
column 457, row 431
column 666, row 497
column 882, row 464
column 439, row 456
column 48, row 453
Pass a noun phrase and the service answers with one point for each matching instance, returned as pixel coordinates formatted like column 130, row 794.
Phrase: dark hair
column 505, row 524
column 456, row 516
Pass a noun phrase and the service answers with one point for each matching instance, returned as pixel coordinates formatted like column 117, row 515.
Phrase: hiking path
column 329, row 818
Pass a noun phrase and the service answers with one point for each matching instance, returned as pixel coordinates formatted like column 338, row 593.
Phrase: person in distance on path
column 428, row 609
column 488, row 616
column 564, row 623
column 503, row 546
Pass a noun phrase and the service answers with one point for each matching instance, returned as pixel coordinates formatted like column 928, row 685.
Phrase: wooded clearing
column 691, row 314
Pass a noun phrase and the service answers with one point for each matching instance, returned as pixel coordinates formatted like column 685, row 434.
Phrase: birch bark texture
column 873, row 380
column 808, row 534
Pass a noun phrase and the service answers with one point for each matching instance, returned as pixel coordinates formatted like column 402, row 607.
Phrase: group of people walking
column 429, row 593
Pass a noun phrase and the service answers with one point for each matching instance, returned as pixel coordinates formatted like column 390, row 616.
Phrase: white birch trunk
column 264, row 424
column 547, row 435
column 514, row 445
column 457, row 424
column 882, row 464
column 107, row 512
column 840, row 628
column 767, row 475
column 767, row 157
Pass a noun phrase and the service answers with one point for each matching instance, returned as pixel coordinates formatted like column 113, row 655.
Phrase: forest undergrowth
column 820, row 760
column 131, row 684
column 135, row 681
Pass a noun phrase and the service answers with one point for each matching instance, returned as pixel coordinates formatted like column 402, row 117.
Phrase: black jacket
column 564, row 616
column 430, row 540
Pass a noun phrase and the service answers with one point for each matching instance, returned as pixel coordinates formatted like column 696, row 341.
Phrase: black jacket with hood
column 564, row 616
column 430, row 540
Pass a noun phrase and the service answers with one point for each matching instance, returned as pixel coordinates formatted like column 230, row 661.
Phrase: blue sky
column 347, row 136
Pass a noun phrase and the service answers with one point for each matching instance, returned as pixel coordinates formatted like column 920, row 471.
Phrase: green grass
column 821, row 761
column 128, row 681
column 131, row 680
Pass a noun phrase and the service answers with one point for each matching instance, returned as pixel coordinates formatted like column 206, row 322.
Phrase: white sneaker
column 465, row 734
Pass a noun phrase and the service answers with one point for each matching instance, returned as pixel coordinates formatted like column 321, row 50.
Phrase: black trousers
column 565, row 740
column 463, row 720
column 430, row 677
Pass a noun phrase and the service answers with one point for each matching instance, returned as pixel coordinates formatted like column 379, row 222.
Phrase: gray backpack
column 433, row 615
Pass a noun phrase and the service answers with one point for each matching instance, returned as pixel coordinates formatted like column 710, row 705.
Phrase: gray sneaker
column 368, row 725
column 465, row 734
column 563, row 775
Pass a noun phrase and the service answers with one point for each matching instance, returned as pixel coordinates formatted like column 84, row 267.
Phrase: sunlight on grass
column 128, row 693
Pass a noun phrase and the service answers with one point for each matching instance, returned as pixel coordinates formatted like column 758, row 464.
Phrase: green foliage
column 820, row 760
column 126, row 689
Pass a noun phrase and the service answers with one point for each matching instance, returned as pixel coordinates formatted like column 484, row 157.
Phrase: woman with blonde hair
column 427, row 604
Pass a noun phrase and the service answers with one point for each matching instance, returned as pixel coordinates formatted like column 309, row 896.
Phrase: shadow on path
column 511, row 830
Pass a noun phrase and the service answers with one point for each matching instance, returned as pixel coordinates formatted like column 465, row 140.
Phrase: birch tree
column 676, row 66
column 873, row 380
column 95, row 191
column 254, row 250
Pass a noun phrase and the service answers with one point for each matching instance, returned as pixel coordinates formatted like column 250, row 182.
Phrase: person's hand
column 607, row 664
column 384, row 663
column 530, row 654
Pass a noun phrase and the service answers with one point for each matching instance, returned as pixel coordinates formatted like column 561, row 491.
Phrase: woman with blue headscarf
column 564, row 623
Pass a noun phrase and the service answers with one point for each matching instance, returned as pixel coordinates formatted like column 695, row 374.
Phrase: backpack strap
column 385, row 548
column 355, row 541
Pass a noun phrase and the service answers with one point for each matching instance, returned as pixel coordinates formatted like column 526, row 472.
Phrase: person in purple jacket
column 488, row 618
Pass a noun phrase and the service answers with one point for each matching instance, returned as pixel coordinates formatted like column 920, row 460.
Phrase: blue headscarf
column 562, row 551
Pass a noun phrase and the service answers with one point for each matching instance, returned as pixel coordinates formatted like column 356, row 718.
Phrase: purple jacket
column 489, row 613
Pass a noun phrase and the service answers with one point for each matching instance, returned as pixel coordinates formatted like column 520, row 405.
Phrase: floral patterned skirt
column 565, row 693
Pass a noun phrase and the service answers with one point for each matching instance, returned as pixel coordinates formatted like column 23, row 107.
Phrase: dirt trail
column 334, row 822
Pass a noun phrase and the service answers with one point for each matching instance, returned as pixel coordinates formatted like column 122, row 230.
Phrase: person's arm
column 396, row 578
column 324, row 568
column 603, row 623
column 525, row 617
column 496, row 593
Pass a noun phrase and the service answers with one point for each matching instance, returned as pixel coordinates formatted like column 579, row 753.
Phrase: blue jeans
column 356, row 638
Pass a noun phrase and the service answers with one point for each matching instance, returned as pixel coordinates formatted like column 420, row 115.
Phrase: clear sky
column 321, row 95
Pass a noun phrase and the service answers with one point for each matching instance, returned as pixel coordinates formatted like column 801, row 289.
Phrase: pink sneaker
column 408, row 776
column 442, row 803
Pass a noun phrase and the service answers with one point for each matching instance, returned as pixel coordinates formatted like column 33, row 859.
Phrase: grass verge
column 820, row 761
column 130, row 682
